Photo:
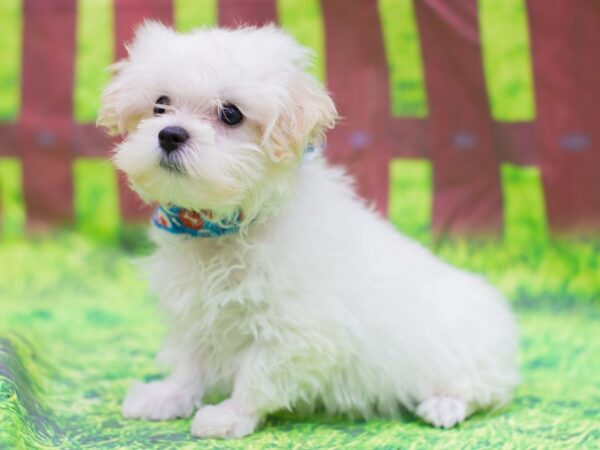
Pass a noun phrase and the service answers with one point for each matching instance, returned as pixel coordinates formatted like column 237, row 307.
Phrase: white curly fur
column 318, row 300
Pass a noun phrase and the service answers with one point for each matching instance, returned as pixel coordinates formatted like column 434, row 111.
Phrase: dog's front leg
column 177, row 396
column 267, row 381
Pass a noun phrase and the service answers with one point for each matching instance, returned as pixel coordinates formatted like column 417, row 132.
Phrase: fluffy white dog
column 278, row 283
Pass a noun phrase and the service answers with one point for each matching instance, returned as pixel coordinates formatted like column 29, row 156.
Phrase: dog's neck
column 204, row 223
column 176, row 220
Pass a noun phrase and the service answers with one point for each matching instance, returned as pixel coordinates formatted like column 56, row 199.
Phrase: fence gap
column 407, row 86
column 10, row 51
column 507, row 63
column 190, row 14
column 96, row 206
column 95, row 49
column 303, row 19
column 410, row 198
column 12, row 207
column 525, row 217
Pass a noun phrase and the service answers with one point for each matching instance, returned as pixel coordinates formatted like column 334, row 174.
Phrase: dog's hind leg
column 442, row 411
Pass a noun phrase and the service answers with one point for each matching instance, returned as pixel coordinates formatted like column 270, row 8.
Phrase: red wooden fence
column 460, row 138
column 44, row 127
column 566, row 60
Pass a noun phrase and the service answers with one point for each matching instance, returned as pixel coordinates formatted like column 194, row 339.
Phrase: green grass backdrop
column 80, row 326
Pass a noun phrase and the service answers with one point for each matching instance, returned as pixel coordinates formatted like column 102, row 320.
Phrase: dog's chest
column 213, row 293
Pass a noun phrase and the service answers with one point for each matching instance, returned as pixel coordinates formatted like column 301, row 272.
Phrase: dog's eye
column 162, row 100
column 230, row 114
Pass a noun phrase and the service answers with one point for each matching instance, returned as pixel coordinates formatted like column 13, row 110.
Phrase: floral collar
column 176, row 220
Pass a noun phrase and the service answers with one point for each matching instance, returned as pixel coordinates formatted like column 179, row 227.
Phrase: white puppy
column 277, row 282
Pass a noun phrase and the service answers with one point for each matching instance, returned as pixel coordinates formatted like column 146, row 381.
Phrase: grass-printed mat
column 80, row 328
column 77, row 326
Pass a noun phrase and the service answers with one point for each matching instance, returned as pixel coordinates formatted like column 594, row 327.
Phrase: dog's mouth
column 172, row 164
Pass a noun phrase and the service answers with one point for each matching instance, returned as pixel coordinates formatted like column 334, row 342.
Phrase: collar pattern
column 176, row 220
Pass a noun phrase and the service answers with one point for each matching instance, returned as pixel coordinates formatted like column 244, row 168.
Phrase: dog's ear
column 122, row 105
column 149, row 38
column 303, row 123
column 115, row 115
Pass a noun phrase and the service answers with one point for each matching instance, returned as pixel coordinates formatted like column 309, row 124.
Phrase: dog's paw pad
column 442, row 411
column 157, row 400
column 222, row 421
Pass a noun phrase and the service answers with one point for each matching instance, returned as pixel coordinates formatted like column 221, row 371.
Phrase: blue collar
column 178, row 220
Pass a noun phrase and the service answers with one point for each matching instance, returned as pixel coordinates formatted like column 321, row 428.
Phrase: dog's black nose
column 170, row 138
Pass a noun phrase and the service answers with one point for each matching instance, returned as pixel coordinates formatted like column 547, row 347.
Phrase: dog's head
column 214, row 117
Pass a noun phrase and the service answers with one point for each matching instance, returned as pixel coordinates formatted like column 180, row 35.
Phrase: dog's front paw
column 223, row 421
column 442, row 411
column 157, row 400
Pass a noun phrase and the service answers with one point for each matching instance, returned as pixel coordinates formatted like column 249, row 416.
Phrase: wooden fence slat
column 247, row 12
column 565, row 38
column 91, row 141
column 357, row 76
column 131, row 13
column 46, row 111
column 128, row 15
column 467, row 190
column 9, row 139
column 515, row 143
column 409, row 138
